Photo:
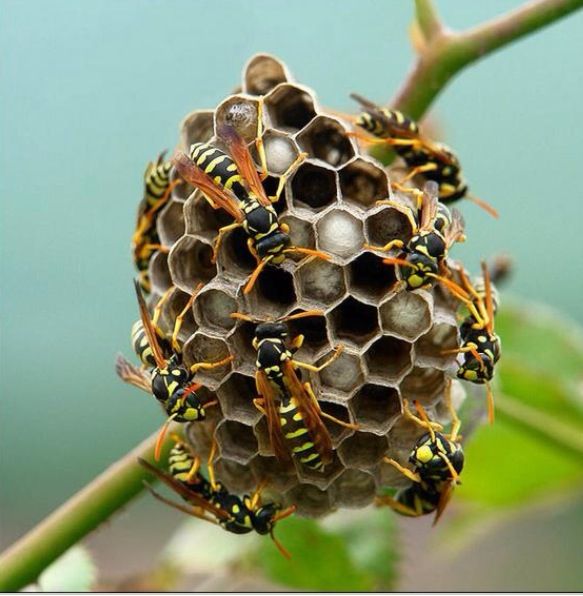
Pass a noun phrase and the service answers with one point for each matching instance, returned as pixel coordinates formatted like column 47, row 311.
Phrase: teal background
column 90, row 91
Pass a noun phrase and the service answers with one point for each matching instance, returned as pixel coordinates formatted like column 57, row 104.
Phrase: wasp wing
column 375, row 111
column 276, row 437
column 242, row 157
column 133, row 375
column 429, row 206
column 444, row 499
column 310, row 413
column 149, row 328
column 216, row 195
column 455, row 232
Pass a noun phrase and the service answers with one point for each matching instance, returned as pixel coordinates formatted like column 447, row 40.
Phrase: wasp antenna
column 280, row 546
column 484, row 205
column 255, row 275
column 242, row 317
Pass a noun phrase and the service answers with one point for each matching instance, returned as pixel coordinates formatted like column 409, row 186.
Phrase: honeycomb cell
column 280, row 152
column 321, row 282
column 290, row 107
column 313, row 187
column 423, row 384
column 388, row 358
column 182, row 190
column 273, row 293
column 369, row 278
column 362, row 450
column 354, row 322
column 315, row 335
column 325, row 138
column 407, row 314
column 337, row 431
column 201, row 219
column 385, row 225
column 236, row 441
column 362, row 183
column 240, row 112
column 236, row 396
column 234, row 256
column 190, row 262
column 262, row 435
column 376, row 407
column 282, row 478
column 213, row 308
column 171, row 223
column 201, row 347
column 354, row 489
column 345, row 374
column 301, row 233
column 431, row 347
column 340, row 234
column 321, row 478
column 243, row 349
column 237, row 478
column 309, row 500
column 174, row 306
column 159, row 272
column 198, row 126
column 262, row 73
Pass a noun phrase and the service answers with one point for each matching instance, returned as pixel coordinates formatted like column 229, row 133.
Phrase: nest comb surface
column 393, row 340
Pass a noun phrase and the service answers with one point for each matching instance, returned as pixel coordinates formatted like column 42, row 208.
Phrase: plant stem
column 23, row 562
column 427, row 19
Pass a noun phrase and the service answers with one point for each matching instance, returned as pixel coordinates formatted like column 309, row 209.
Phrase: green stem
column 427, row 19
column 22, row 563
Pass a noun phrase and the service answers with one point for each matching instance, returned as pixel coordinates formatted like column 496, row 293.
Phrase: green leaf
column 73, row 572
column 320, row 559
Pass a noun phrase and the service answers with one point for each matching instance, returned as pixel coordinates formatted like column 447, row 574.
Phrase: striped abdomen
column 393, row 125
column 141, row 345
column 297, row 435
column 219, row 166
column 156, row 182
column 180, row 462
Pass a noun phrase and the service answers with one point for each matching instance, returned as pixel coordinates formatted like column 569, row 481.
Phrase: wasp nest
column 394, row 341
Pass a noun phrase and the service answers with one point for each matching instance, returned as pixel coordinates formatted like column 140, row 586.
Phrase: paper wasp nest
column 393, row 341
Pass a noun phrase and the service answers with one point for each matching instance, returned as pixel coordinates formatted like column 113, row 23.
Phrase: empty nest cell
column 431, row 347
column 213, row 309
column 376, row 407
column 202, row 347
column 388, row 358
column 315, row 335
column 273, row 293
column 387, row 224
column 313, row 187
column 200, row 218
column 363, row 183
column 325, row 138
column 159, row 272
column 354, row 489
column 198, row 126
column 369, row 278
column 236, row 396
column 362, row 450
column 423, row 384
column 190, row 263
column 309, row 499
column 262, row 73
column 236, row 441
column 354, row 321
column 171, row 223
column 238, row 478
column 290, row 108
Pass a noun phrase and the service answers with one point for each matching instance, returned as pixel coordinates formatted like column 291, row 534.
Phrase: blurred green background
column 90, row 91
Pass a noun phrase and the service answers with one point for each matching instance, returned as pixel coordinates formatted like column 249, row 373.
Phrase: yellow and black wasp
column 437, row 461
column 480, row 346
column 435, row 230
column 429, row 159
column 211, row 501
column 167, row 379
column 232, row 183
column 145, row 241
column 294, row 416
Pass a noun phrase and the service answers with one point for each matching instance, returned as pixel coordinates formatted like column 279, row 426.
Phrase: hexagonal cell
column 369, row 278
column 200, row 218
column 182, row 190
column 336, row 431
column 325, row 138
column 273, row 293
column 309, row 499
column 159, row 272
column 314, row 331
column 236, row 396
column 386, row 225
column 213, row 308
column 301, row 233
column 190, row 262
column 243, row 349
column 240, row 112
column 423, row 385
column 236, row 441
column 376, row 407
column 344, row 374
column 340, row 233
column 321, row 478
column 234, row 256
column 262, row 435
column 280, row 152
column 389, row 358
column 262, row 73
column 321, row 281
column 354, row 321
column 363, row 183
column 407, row 314
column 202, row 347
column 431, row 347
column 280, row 477
column 354, row 489
column 170, row 223
column 198, row 126
column 238, row 478
column 389, row 476
column 174, row 306
column 200, row 433
column 290, row 107
column 362, row 450
column 313, row 187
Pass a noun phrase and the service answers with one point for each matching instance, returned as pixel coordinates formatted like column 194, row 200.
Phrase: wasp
column 294, row 416
column 232, row 183
column 437, row 461
column 430, row 159
column 480, row 346
column 435, row 230
column 145, row 241
column 211, row 501
column 167, row 379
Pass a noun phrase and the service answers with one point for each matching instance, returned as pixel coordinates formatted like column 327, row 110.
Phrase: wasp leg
column 180, row 318
column 338, row 350
column 455, row 421
column 388, row 246
column 386, row 501
column 405, row 471
column 284, row 177
column 426, row 424
column 219, row 238
column 190, row 510
column 311, row 393
column 210, row 365
column 251, row 248
column 399, row 206
column 153, row 247
column 428, row 167
column 255, row 499
column 258, row 403
column 259, row 141
column 210, row 464
column 158, row 310
column 409, row 190
column 296, row 343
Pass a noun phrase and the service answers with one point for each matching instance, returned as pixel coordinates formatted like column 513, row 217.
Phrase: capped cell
column 321, row 281
column 339, row 233
column 432, row 348
column 407, row 314
column 240, row 112
column 213, row 308
column 424, row 385
column 345, row 374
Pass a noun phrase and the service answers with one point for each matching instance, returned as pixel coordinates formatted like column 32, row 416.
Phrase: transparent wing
column 133, row 375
